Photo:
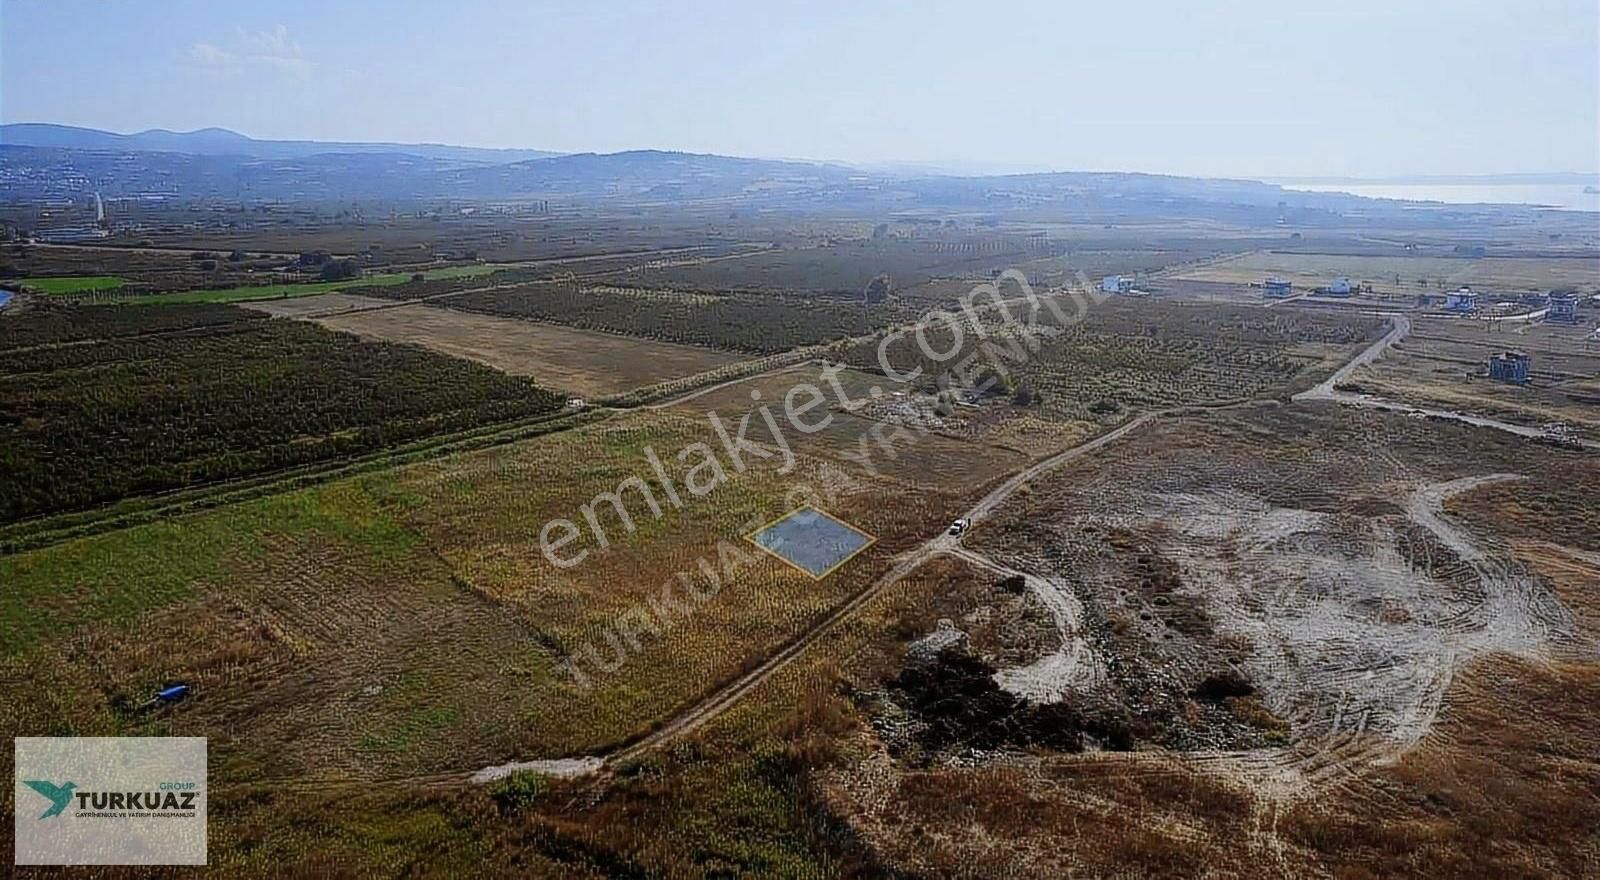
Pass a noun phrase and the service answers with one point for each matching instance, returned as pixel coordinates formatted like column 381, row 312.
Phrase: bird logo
column 59, row 795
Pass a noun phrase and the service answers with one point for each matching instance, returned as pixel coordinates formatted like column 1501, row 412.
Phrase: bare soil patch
column 313, row 306
column 584, row 362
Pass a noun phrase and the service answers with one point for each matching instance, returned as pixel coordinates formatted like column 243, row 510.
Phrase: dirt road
column 726, row 696
column 1402, row 326
column 1326, row 390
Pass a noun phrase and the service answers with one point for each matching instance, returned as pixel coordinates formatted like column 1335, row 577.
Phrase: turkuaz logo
column 172, row 799
column 59, row 795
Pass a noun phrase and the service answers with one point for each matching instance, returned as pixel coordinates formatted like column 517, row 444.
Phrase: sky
column 1242, row 88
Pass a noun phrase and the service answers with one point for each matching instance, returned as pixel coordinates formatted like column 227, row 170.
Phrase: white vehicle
column 1560, row 434
column 959, row 526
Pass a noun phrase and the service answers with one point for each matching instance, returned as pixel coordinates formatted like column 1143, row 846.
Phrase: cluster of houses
column 1561, row 306
column 1275, row 287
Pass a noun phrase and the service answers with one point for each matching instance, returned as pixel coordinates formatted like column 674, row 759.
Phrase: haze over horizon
column 1354, row 90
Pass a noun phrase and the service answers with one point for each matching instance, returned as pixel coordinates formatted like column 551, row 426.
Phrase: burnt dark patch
column 1223, row 684
column 1370, row 508
column 1158, row 582
column 955, row 697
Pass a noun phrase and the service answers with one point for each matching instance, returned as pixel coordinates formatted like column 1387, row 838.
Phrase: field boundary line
column 33, row 534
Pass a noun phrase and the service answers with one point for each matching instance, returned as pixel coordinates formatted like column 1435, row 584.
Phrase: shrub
column 520, row 791
column 340, row 270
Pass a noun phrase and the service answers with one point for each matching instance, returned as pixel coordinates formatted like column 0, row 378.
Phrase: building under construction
column 1509, row 366
column 1563, row 308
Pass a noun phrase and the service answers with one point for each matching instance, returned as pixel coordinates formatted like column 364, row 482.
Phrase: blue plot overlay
column 811, row 541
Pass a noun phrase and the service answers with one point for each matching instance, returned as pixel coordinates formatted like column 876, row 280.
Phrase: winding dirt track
column 1402, row 326
column 1326, row 391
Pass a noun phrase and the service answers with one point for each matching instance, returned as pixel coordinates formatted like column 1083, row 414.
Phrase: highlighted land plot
column 811, row 541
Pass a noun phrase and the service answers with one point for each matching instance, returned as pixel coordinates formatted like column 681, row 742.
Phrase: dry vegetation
column 1463, row 799
column 1444, row 364
column 1128, row 353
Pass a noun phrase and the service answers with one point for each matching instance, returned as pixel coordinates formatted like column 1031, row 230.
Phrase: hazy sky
column 1255, row 88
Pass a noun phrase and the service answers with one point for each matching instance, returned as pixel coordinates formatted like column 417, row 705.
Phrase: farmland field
column 1133, row 354
column 842, row 267
column 848, row 432
column 337, row 618
column 747, row 322
column 313, row 306
column 73, row 284
column 307, row 288
column 50, row 323
column 582, row 362
column 439, row 621
column 88, row 424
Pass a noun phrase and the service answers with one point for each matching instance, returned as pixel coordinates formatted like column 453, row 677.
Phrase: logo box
column 110, row 800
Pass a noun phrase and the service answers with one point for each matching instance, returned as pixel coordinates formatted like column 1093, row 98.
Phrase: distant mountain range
column 57, row 163
column 222, row 142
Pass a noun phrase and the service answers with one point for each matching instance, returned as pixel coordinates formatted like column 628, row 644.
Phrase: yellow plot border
column 751, row 537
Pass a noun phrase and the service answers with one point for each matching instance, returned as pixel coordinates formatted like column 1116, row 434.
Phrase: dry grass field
column 1443, row 363
column 407, row 622
column 895, row 432
column 1417, row 699
column 585, row 362
column 312, row 306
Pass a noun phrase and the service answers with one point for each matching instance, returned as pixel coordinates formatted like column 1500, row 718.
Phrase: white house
column 1341, row 286
column 1563, row 307
column 1116, row 284
column 1463, row 300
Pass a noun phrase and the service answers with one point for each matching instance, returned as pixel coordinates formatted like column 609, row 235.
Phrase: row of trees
column 747, row 321
column 85, row 425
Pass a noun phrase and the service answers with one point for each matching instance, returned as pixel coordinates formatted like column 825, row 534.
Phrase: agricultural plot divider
column 43, row 531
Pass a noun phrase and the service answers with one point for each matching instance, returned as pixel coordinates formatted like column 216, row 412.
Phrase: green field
column 78, row 284
column 284, row 291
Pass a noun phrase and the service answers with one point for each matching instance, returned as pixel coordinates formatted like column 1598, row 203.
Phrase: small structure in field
column 1341, row 286
column 1509, row 366
column 1277, row 288
column 1464, row 300
column 1563, row 307
column 1560, row 434
column 1116, row 284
